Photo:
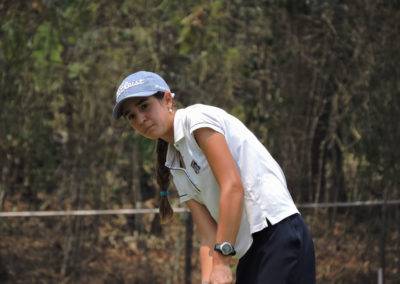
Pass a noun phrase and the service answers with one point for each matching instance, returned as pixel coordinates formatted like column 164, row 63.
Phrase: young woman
column 233, row 187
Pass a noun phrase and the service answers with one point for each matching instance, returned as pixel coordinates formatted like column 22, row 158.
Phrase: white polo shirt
column 265, row 191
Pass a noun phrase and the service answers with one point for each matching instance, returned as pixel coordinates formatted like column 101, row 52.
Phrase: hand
column 221, row 274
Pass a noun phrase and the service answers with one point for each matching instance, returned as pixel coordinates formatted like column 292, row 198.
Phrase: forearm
column 230, row 214
column 206, row 254
column 207, row 229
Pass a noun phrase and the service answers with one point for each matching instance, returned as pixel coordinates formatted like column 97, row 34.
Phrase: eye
column 143, row 106
column 130, row 116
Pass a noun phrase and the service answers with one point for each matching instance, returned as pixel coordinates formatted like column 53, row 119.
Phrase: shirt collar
column 170, row 161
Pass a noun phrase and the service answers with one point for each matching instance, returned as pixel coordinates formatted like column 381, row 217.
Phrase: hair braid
column 163, row 180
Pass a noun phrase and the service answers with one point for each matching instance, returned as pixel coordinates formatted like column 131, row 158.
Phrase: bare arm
column 219, row 157
column 207, row 229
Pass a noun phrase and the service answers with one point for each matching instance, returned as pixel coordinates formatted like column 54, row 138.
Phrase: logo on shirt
column 195, row 167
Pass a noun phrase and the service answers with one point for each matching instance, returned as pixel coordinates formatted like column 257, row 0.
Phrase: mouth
column 147, row 129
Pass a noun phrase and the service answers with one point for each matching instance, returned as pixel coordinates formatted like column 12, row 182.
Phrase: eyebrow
column 138, row 103
column 141, row 101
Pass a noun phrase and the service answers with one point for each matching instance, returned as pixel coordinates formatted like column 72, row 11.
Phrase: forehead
column 132, row 102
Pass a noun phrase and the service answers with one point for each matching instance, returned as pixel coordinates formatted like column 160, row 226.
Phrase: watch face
column 226, row 248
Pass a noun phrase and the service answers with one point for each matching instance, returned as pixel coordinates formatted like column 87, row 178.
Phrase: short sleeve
column 201, row 116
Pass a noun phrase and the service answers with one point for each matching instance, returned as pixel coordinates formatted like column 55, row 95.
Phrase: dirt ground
column 32, row 251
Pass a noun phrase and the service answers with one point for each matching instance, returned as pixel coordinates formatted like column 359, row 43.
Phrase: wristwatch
column 225, row 248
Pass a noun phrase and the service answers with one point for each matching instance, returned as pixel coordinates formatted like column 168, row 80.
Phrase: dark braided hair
column 163, row 180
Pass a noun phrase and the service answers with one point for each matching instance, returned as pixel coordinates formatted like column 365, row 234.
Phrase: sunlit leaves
column 46, row 54
column 275, row 65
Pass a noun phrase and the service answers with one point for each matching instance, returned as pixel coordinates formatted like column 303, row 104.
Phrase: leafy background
column 316, row 81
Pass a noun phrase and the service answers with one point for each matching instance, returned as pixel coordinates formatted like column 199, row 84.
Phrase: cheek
column 166, row 118
column 132, row 124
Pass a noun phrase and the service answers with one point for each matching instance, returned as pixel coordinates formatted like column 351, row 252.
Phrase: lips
column 147, row 129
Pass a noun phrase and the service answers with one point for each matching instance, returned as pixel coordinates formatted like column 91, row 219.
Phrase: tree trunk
column 73, row 236
column 188, row 248
column 174, row 264
column 3, row 195
column 71, row 175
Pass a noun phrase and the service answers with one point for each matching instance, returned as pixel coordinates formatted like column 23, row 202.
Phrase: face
column 150, row 116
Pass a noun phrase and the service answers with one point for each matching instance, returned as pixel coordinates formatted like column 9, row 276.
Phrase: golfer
column 235, row 190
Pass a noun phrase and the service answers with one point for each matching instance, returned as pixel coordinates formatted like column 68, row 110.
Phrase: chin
column 151, row 136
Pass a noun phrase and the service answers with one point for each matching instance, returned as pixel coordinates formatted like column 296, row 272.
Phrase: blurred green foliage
column 317, row 82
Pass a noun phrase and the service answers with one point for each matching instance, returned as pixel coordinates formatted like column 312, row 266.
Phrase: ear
column 168, row 99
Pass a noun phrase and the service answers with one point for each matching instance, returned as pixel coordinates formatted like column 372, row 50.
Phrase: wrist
column 218, row 258
column 225, row 248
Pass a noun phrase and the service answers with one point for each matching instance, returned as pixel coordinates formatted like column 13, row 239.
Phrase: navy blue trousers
column 280, row 254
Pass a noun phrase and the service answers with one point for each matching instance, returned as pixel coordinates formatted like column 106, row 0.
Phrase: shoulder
column 199, row 115
column 193, row 117
column 199, row 112
column 203, row 108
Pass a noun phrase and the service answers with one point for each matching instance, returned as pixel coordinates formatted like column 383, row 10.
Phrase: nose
column 141, row 117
